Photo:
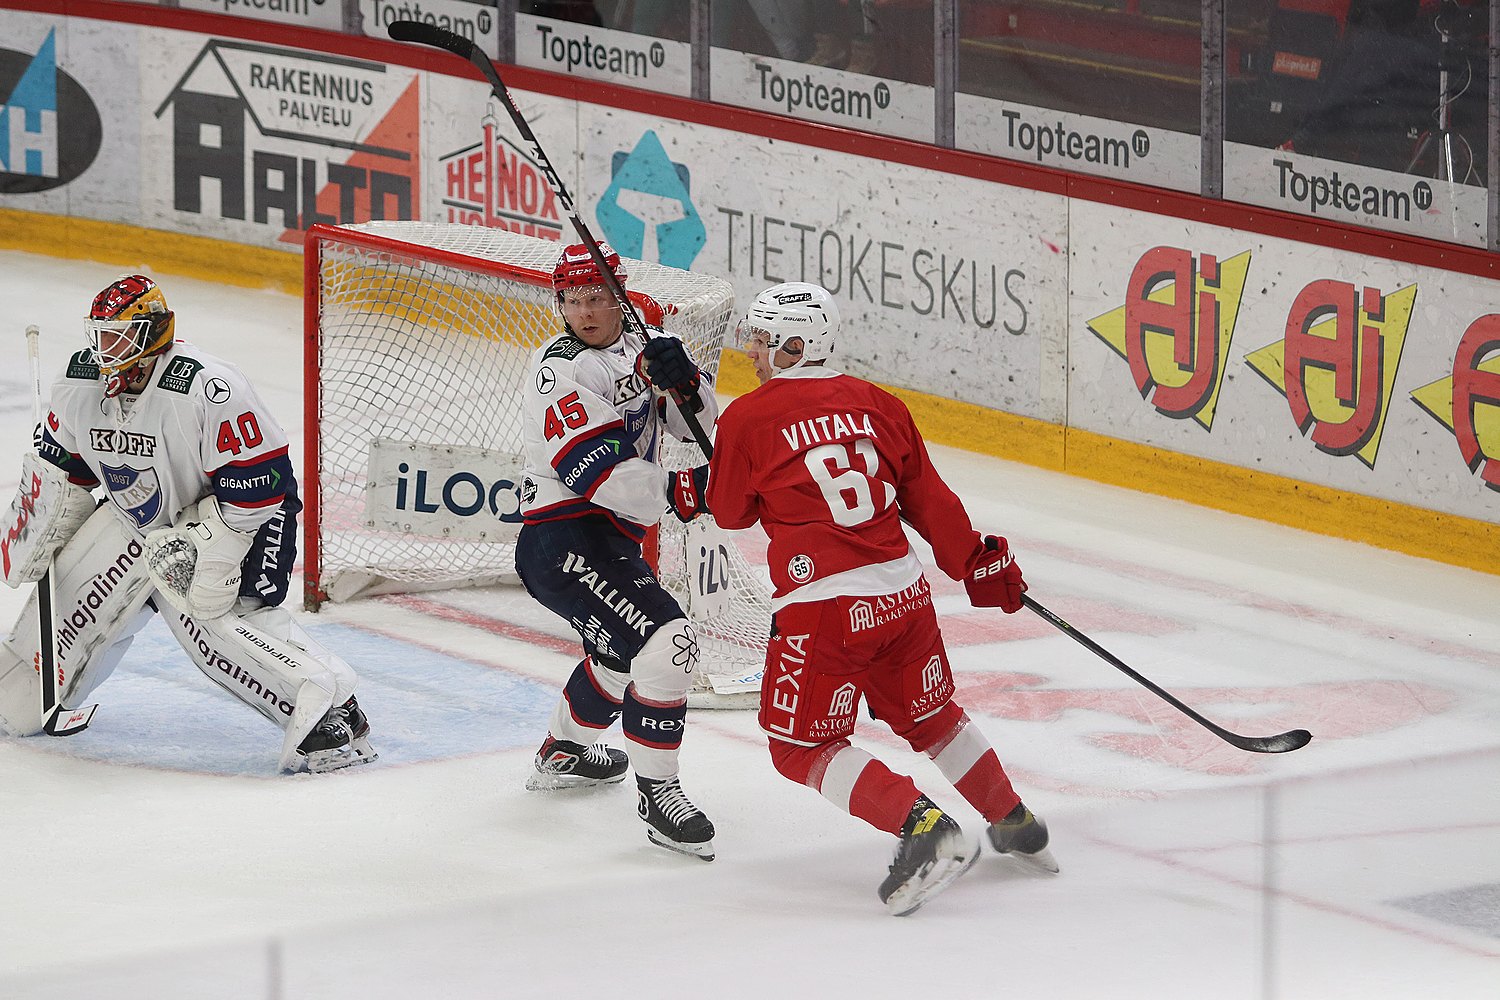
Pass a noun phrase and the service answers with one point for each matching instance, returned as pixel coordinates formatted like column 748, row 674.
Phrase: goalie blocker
column 261, row 656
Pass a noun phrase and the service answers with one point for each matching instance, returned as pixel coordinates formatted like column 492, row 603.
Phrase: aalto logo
column 50, row 130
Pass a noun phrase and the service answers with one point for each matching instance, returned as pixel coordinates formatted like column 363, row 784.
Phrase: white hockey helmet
column 792, row 309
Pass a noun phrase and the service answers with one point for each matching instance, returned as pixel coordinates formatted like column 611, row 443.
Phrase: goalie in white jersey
column 199, row 524
column 595, row 409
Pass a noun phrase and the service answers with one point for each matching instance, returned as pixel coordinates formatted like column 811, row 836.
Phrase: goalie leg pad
column 100, row 586
column 281, row 680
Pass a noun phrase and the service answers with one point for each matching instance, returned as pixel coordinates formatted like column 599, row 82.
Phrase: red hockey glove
column 665, row 364
column 685, row 492
column 995, row 580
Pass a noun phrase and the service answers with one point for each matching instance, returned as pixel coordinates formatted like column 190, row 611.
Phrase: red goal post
column 417, row 337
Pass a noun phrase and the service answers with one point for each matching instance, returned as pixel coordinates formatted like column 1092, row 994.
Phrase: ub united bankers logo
column 136, row 491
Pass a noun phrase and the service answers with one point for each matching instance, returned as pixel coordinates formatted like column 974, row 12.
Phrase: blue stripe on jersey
column 79, row 473
column 260, row 483
column 583, row 463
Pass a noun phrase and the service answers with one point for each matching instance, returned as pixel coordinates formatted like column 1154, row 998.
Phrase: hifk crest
column 135, row 491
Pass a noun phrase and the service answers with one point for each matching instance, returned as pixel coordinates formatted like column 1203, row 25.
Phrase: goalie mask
column 128, row 323
column 792, row 309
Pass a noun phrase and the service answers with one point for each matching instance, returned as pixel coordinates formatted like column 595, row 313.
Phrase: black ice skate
column 1023, row 836
column 565, row 764
column 672, row 820
column 933, row 853
column 339, row 740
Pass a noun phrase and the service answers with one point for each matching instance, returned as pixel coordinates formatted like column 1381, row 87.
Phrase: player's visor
column 751, row 337
column 118, row 343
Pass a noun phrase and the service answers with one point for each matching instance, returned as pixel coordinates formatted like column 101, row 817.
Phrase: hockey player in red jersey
column 830, row 465
column 596, row 407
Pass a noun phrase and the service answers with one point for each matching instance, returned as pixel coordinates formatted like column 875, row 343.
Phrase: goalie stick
column 57, row 721
column 442, row 38
column 1294, row 739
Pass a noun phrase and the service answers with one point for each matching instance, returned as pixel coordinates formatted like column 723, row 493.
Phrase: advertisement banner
column 596, row 53
column 255, row 143
column 443, row 491
column 1454, row 212
column 1370, row 376
column 947, row 285
column 69, row 131
column 821, row 94
column 476, row 20
column 325, row 14
column 1080, row 143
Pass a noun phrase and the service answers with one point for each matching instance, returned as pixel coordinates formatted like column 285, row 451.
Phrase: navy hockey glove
column 686, row 493
column 994, row 579
column 668, row 367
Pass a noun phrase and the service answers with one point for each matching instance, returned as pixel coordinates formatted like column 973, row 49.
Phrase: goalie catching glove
column 664, row 362
column 685, row 491
column 196, row 563
column 46, row 512
column 994, row 579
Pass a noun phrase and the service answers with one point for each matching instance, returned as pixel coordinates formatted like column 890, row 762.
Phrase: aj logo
column 1468, row 402
column 1175, row 327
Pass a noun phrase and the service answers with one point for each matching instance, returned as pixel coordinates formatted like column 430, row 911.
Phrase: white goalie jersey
column 198, row 428
column 592, row 429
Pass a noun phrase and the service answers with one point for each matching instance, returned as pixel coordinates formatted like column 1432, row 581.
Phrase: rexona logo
column 1338, row 363
column 1175, row 328
column 1468, row 402
column 647, row 212
column 49, row 128
column 300, row 107
column 493, row 183
column 794, row 94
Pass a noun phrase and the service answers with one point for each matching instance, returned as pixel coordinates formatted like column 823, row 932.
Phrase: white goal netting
column 418, row 337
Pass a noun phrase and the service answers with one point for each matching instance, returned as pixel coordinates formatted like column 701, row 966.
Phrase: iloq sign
column 443, row 491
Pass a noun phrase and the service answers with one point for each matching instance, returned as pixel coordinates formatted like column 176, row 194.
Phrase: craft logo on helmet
column 1468, row 401
column 498, row 185
column 1337, row 365
column 50, row 130
column 1176, row 343
column 788, row 298
column 332, row 139
column 135, row 491
column 647, row 212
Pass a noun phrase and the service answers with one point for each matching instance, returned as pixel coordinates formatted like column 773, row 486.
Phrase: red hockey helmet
column 576, row 268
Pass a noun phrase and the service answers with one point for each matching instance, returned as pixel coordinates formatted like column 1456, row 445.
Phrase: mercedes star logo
column 217, row 390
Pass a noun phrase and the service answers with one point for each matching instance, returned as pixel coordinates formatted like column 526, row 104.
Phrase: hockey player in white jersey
column 597, row 402
column 199, row 524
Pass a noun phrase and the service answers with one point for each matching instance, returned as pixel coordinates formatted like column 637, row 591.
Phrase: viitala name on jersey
column 572, row 53
column 1332, row 191
column 1057, row 140
column 792, row 93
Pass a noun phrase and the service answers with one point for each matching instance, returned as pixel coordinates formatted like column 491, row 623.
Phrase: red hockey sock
column 851, row 779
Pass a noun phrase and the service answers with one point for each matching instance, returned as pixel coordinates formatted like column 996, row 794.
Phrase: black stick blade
column 430, row 34
column 1286, row 742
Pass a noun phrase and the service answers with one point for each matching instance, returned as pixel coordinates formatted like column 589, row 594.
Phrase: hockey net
column 417, row 341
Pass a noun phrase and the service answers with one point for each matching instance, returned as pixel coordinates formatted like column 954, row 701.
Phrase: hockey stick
column 442, row 38
column 1294, row 739
column 56, row 720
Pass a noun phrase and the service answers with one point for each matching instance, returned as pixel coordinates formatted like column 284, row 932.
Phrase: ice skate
column 1023, row 836
column 565, row 764
column 933, row 853
column 340, row 740
column 672, row 821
